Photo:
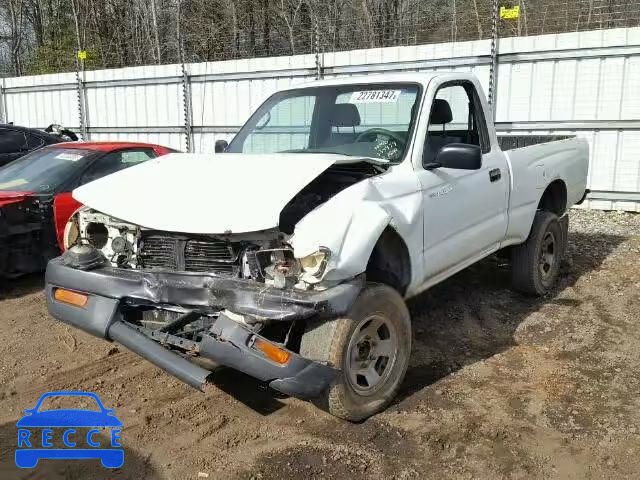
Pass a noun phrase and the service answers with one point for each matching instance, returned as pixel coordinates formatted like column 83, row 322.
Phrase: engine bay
column 328, row 184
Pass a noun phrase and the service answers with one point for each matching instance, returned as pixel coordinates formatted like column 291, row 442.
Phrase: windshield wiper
column 380, row 163
column 305, row 150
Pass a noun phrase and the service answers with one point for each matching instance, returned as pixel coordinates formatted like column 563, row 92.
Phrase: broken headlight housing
column 280, row 267
column 117, row 240
column 315, row 264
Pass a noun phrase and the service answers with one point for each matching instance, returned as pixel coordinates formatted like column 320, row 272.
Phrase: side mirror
column 221, row 146
column 461, row 156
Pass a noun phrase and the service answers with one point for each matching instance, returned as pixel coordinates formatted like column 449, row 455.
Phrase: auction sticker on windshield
column 72, row 157
column 375, row 96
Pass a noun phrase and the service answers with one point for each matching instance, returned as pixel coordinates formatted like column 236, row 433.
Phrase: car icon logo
column 38, row 428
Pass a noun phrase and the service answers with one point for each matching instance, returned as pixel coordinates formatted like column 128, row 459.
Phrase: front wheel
column 371, row 347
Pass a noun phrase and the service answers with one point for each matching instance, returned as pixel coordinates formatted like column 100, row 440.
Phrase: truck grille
column 162, row 251
column 158, row 252
column 203, row 255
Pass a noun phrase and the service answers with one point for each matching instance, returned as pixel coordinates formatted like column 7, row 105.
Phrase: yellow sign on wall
column 510, row 13
column 82, row 54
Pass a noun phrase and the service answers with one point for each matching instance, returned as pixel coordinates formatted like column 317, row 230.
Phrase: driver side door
column 465, row 211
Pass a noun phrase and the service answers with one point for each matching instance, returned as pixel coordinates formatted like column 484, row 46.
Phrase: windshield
column 356, row 120
column 44, row 170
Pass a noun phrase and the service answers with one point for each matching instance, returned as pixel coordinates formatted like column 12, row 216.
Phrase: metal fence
column 585, row 83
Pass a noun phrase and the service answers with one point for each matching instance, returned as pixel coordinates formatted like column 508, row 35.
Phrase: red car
column 36, row 202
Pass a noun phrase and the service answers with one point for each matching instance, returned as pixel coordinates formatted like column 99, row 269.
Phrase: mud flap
column 564, row 228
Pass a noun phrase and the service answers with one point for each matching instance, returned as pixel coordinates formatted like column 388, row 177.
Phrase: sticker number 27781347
column 375, row 96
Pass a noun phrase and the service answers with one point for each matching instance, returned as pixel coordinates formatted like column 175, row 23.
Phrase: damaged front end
column 264, row 257
column 233, row 322
column 240, row 300
column 267, row 257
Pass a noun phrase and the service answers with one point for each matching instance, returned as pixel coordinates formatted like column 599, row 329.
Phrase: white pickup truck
column 289, row 256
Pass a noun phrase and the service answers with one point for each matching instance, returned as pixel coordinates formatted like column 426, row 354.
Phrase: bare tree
column 36, row 17
column 179, row 31
column 234, row 29
column 478, row 22
column 40, row 35
column 454, row 23
column 288, row 11
column 368, row 22
column 16, row 18
column 156, row 35
column 75, row 8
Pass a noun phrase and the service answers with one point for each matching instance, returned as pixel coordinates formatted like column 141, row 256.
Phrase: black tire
column 331, row 341
column 535, row 263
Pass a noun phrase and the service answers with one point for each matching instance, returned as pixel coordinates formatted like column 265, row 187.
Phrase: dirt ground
column 500, row 386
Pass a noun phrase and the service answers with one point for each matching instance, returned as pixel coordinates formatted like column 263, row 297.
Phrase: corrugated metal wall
column 583, row 83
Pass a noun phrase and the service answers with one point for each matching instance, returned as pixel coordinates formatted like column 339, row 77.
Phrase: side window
column 132, row 157
column 12, row 141
column 114, row 162
column 458, row 101
column 286, row 126
column 456, row 117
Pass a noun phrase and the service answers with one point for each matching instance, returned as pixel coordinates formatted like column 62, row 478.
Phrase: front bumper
column 227, row 342
column 206, row 292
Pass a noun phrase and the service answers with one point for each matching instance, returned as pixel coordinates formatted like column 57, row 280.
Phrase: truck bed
column 510, row 142
column 534, row 162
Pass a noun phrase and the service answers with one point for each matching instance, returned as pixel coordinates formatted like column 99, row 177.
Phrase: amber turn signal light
column 276, row 354
column 71, row 298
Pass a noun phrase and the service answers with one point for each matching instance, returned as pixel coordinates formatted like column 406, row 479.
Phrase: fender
column 350, row 224
column 531, row 212
column 64, row 207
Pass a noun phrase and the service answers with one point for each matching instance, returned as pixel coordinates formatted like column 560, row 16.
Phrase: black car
column 17, row 141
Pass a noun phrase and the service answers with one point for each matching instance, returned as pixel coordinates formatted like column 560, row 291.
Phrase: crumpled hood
column 204, row 193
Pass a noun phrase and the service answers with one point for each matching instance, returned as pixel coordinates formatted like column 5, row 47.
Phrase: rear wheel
column 535, row 264
column 370, row 346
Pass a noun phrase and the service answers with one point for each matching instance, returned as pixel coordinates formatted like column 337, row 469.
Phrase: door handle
column 495, row 175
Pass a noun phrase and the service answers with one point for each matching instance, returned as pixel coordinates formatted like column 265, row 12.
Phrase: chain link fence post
column 80, row 90
column 316, row 49
column 493, row 69
column 4, row 116
column 186, row 104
